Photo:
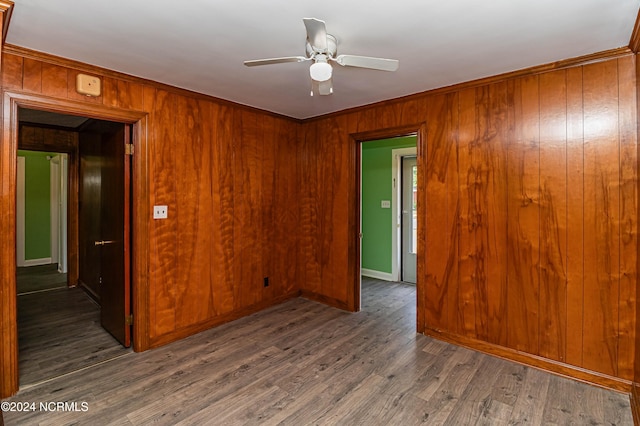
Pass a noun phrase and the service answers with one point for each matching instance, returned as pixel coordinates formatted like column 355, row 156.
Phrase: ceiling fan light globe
column 320, row 71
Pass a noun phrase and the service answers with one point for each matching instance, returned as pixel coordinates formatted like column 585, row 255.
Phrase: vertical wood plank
column 12, row 71
column 601, row 215
column 222, row 183
column 469, row 215
column 575, row 217
column 129, row 95
column 110, row 91
column 310, row 254
column 441, row 228
column 496, row 238
column 482, row 172
column 524, row 216
column 553, row 215
column 54, row 80
column 268, row 235
column 334, row 209
column 286, row 196
column 453, row 208
column 193, row 172
column 628, row 116
column 32, row 81
column 247, row 203
column 163, row 253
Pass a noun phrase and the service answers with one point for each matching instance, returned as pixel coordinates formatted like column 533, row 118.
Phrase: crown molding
column 26, row 53
column 6, row 8
column 634, row 41
column 605, row 55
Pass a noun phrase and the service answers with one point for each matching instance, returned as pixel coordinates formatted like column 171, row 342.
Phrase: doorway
column 383, row 216
column 41, row 209
column 13, row 101
column 41, row 215
column 355, row 264
column 65, row 329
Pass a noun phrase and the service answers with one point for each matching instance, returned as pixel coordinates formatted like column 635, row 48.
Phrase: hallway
column 58, row 328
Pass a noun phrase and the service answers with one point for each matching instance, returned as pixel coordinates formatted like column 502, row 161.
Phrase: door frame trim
column 9, row 378
column 355, row 215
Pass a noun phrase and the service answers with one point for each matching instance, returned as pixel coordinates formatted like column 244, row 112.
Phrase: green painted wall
column 377, row 184
column 37, row 188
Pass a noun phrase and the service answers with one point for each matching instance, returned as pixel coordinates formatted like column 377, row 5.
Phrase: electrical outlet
column 160, row 212
column 266, row 281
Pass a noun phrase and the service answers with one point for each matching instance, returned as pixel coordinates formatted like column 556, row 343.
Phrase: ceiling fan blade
column 367, row 62
column 270, row 61
column 316, row 34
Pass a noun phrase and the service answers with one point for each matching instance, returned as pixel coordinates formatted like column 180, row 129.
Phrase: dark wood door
column 89, row 204
column 114, row 218
column 105, row 212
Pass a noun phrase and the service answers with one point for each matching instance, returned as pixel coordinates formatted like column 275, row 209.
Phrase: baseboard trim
column 92, row 294
column 181, row 333
column 372, row 273
column 325, row 300
column 535, row 361
column 38, row 262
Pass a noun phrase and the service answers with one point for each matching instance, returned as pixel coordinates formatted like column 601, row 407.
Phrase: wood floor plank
column 476, row 403
column 442, row 402
column 304, row 363
column 531, row 397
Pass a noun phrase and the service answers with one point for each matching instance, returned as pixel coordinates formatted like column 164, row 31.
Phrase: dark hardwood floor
column 38, row 278
column 303, row 363
column 58, row 329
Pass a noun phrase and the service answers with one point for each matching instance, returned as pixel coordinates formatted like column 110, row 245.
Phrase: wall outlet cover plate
column 160, row 212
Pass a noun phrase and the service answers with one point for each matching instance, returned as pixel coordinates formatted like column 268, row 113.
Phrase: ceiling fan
column 321, row 48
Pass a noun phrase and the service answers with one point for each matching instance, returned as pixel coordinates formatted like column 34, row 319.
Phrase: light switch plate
column 160, row 212
column 88, row 85
column 385, row 204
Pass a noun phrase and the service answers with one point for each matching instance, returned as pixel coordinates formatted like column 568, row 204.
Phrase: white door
column 62, row 248
column 20, row 213
column 409, row 218
column 54, row 191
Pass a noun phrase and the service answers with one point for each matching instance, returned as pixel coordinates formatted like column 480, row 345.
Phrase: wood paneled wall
column 527, row 193
column 230, row 180
column 528, row 213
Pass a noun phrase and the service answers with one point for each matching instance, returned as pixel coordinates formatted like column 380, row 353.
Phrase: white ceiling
column 200, row 45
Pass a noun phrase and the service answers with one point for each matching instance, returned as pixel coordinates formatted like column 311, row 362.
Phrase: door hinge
column 128, row 148
column 128, row 320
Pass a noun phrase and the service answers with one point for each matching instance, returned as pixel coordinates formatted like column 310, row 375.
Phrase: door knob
column 103, row 242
